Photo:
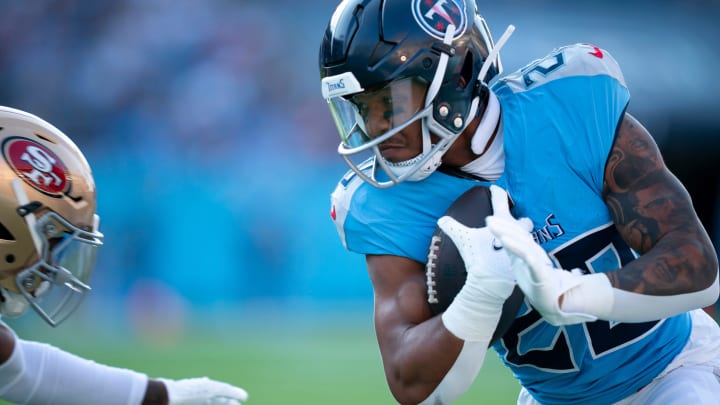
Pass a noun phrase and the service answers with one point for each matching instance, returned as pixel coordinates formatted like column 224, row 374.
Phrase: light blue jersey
column 395, row 221
column 560, row 115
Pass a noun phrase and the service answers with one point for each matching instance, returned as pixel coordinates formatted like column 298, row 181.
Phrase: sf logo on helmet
column 434, row 16
column 37, row 165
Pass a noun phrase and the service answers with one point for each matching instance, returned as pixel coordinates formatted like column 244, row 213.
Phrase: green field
column 278, row 363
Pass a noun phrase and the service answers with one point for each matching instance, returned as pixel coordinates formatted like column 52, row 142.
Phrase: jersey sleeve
column 397, row 221
column 601, row 98
column 370, row 221
column 581, row 90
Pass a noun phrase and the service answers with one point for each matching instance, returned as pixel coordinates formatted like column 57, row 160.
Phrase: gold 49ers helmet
column 48, row 224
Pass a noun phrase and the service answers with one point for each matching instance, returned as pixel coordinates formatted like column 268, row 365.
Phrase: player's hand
column 203, row 391
column 483, row 256
column 543, row 284
column 476, row 309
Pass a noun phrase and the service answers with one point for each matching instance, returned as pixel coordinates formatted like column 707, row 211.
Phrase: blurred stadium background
column 214, row 156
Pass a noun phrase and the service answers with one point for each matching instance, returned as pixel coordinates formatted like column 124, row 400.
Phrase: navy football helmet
column 393, row 50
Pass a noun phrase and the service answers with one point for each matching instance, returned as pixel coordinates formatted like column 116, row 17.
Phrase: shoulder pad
column 568, row 61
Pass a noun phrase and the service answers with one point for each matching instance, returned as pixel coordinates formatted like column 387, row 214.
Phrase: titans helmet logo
column 434, row 16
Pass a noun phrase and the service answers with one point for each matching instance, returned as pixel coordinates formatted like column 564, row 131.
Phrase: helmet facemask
column 58, row 281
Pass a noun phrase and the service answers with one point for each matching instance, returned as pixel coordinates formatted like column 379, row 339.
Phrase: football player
column 415, row 90
column 49, row 238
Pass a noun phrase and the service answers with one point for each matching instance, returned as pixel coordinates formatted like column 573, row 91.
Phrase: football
column 445, row 269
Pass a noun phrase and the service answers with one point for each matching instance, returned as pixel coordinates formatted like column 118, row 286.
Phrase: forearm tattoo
column 654, row 214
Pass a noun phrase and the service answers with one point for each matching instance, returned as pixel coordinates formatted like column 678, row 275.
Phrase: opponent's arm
column 38, row 373
column 678, row 269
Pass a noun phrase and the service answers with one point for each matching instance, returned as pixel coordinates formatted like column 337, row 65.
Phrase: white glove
column 203, row 391
column 475, row 311
column 543, row 284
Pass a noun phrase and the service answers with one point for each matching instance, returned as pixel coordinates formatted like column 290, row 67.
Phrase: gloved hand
column 476, row 309
column 543, row 284
column 203, row 391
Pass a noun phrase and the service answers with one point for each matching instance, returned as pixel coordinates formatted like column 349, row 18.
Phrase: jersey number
column 603, row 249
column 543, row 67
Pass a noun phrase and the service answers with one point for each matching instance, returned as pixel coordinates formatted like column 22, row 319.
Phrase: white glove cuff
column 596, row 296
column 593, row 296
column 474, row 313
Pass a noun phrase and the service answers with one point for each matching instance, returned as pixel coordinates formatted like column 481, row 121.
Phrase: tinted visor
column 368, row 118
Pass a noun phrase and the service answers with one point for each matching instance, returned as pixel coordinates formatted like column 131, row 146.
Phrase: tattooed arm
column 677, row 270
column 654, row 213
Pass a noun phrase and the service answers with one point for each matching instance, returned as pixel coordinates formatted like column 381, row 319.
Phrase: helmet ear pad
column 453, row 104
